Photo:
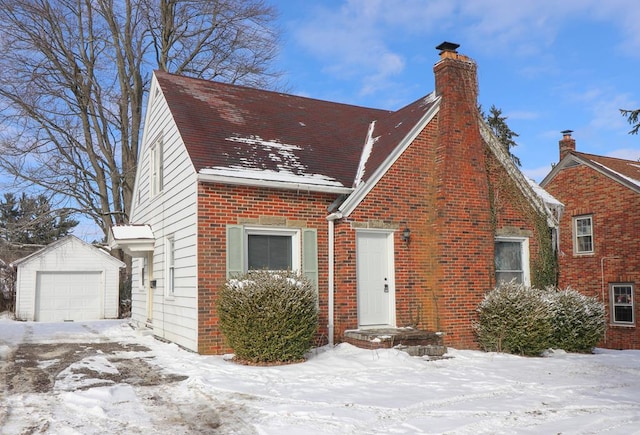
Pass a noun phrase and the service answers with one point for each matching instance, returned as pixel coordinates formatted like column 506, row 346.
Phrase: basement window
column 622, row 304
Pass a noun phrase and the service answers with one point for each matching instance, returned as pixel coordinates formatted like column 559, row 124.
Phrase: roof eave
column 604, row 170
column 350, row 204
column 272, row 184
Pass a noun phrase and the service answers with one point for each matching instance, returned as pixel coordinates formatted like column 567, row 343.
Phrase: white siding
column 70, row 255
column 171, row 213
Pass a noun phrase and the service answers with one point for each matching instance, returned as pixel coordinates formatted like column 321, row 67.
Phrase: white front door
column 374, row 254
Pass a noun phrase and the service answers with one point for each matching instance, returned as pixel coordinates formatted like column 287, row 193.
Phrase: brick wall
column 402, row 199
column 440, row 189
column 616, row 226
column 221, row 205
column 462, row 225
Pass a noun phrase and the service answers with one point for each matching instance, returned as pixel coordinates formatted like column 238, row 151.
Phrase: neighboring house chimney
column 465, row 239
column 567, row 143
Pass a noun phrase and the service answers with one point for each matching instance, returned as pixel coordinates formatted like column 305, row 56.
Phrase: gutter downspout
column 330, row 225
column 602, row 260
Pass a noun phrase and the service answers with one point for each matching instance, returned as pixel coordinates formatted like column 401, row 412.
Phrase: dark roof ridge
column 271, row 91
column 602, row 157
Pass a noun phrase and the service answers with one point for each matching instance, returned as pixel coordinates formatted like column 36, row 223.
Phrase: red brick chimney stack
column 463, row 208
column 567, row 143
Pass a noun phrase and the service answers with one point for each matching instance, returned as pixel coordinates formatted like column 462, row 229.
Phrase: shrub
column 579, row 322
column 522, row 320
column 515, row 319
column 268, row 317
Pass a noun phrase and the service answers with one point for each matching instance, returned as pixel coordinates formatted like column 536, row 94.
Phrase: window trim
column 613, row 304
column 524, row 257
column 575, row 235
column 296, row 260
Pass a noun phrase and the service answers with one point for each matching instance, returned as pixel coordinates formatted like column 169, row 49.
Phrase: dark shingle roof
column 228, row 126
column 627, row 171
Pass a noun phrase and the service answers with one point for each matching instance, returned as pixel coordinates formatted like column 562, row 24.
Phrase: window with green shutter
column 266, row 248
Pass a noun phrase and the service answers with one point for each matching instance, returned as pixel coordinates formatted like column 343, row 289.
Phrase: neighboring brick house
column 400, row 218
column 600, row 234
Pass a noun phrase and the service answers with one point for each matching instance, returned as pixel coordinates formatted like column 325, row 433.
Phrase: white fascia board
column 283, row 185
column 350, row 204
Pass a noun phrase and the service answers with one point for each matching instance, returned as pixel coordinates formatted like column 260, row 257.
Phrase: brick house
column 600, row 234
column 400, row 218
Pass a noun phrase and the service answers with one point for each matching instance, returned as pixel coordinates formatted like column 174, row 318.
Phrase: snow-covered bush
column 523, row 320
column 268, row 317
column 515, row 319
column 579, row 322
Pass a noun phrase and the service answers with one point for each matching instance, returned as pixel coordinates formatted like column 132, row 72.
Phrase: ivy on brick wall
column 504, row 192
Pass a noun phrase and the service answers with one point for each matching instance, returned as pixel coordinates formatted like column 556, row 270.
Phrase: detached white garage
column 69, row 280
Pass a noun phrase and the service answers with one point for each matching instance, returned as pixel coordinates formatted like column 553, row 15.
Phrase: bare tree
column 74, row 75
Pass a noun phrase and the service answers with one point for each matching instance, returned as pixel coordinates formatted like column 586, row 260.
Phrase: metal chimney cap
column 566, row 132
column 448, row 46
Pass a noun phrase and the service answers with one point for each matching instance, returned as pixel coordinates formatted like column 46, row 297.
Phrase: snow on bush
column 522, row 320
column 515, row 319
column 579, row 322
column 268, row 317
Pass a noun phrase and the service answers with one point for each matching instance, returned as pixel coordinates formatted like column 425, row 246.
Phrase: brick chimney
column 465, row 234
column 567, row 143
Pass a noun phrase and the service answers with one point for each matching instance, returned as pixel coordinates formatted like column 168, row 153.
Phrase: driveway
column 78, row 381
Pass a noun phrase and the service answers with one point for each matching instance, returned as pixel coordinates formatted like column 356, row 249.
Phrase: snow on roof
column 633, row 181
column 283, row 175
column 543, row 194
column 122, row 232
column 366, row 152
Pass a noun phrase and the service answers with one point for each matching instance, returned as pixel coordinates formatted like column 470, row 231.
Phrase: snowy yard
column 103, row 377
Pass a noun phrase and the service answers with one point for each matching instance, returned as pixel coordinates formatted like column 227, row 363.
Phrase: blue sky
column 550, row 65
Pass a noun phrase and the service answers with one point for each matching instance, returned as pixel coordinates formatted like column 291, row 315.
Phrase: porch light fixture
column 406, row 235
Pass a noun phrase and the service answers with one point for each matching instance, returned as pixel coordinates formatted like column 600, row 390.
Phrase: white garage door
column 64, row 296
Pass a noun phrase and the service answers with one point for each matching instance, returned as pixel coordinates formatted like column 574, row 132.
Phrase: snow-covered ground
column 344, row 390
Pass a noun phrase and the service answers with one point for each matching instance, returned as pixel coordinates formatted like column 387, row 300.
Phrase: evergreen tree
column 633, row 116
column 29, row 220
column 505, row 135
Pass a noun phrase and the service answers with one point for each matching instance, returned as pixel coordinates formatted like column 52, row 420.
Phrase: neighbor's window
column 583, row 235
column 171, row 255
column 512, row 260
column 622, row 304
column 156, row 169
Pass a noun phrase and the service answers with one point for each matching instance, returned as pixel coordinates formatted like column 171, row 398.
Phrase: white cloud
column 356, row 40
column 625, row 153
column 537, row 174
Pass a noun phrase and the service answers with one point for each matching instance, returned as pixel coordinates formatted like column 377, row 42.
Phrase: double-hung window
column 156, row 170
column 512, row 260
column 171, row 277
column 622, row 304
column 583, row 235
column 267, row 248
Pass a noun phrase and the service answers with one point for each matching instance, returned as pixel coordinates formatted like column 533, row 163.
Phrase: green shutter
column 310, row 255
column 235, row 248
